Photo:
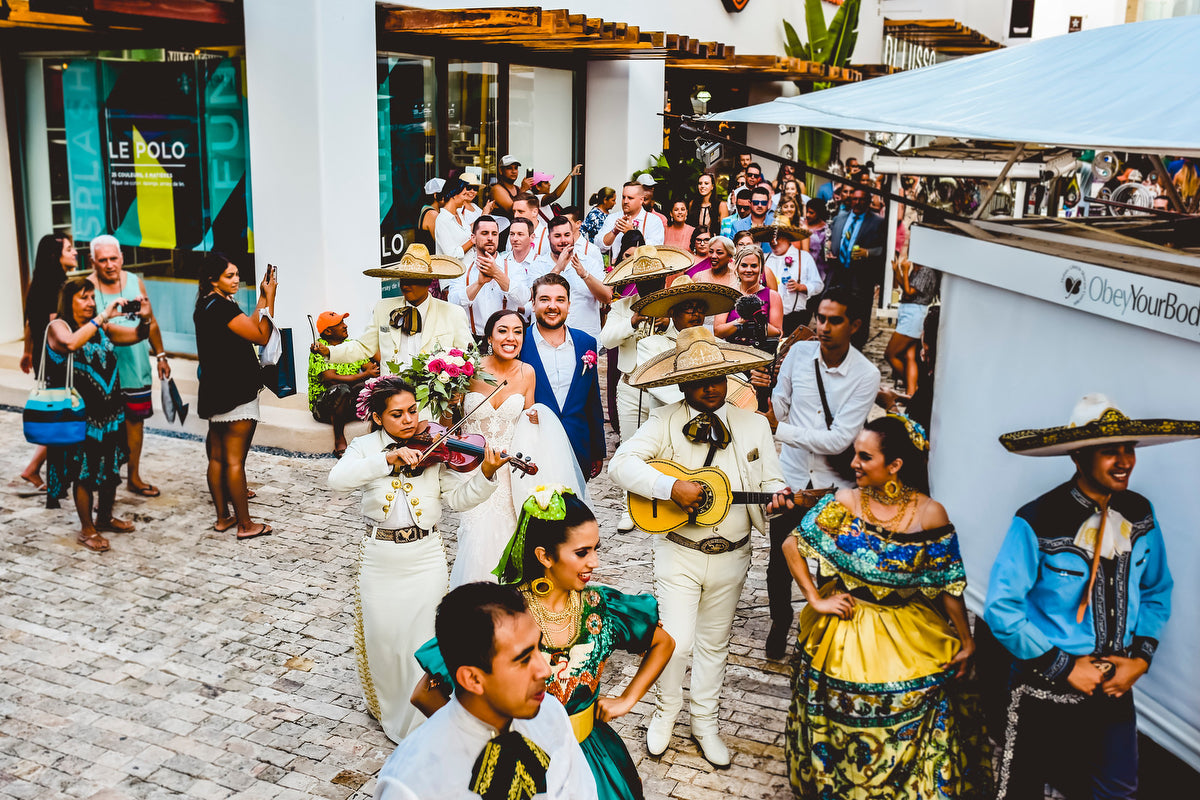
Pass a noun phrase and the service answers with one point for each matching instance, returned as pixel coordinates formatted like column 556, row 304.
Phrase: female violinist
column 402, row 571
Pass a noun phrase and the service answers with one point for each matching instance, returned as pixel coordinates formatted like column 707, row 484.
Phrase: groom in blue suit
column 564, row 361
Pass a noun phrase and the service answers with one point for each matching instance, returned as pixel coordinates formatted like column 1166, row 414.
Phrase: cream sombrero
column 697, row 356
column 1096, row 421
column 649, row 262
column 417, row 264
column 767, row 233
column 716, row 297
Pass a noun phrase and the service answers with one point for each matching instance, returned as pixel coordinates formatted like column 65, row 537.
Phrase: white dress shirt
column 850, row 388
column 522, row 270
column 436, row 759
column 803, row 270
column 559, row 362
column 649, row 224
column 490, row 298
column 450, row 233
column 585, row 308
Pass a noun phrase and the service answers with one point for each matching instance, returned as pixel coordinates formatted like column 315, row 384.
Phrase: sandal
column 339, row 452
column 223, row 525
column 35, row 481
column 251, row 494
column 144, row 491
column 112, row 525
column 263, row 530
column 94, row 542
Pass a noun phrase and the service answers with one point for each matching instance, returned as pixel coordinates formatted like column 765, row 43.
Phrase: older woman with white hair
column 718, row 263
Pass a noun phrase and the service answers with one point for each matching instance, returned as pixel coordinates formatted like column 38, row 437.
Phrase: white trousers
column 399, row 588
column 697, row 597
column 627, row 408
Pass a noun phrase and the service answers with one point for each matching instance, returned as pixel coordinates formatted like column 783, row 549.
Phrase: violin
column 459, row 452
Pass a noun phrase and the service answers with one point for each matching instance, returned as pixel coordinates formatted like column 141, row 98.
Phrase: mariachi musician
column 699, row 570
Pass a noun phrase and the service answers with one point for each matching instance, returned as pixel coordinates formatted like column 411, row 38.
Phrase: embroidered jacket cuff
column 1144, row 648
column 1054, row 665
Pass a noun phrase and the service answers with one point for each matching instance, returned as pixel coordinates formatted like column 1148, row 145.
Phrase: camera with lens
column 752, row 332
column 131, row 308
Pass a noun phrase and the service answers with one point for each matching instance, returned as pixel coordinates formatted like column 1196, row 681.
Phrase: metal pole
column 893, row 222
column 991, row 192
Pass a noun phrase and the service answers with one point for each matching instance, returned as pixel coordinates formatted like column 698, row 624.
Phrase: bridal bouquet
column 442, row 378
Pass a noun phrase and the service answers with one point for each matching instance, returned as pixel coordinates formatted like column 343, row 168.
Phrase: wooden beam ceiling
column 771, row 68
column 944, row 35
column 117, row 15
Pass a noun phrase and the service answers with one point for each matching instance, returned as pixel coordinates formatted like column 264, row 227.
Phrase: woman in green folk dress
column 551, row 558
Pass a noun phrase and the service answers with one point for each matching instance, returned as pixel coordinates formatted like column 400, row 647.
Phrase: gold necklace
column 903, row 501
column 570, row 619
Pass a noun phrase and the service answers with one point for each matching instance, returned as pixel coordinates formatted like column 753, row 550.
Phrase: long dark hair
column 895, row 442
column 213, row 266
column 48, row 277
column 383, row 390
column 490, row 326
column 549, row 534
column 66, row 299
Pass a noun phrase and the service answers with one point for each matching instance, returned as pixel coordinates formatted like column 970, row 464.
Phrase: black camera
column 130, row 308
column 752, row 332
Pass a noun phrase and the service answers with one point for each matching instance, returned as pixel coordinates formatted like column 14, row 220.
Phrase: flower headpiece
column 546, row 502
column 362, row 406
column 916, row 433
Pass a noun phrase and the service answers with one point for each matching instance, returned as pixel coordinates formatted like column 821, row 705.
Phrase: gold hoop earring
column 541, row 586
column 891, row 489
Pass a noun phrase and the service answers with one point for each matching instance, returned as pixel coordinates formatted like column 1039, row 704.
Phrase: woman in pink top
column 678, row 233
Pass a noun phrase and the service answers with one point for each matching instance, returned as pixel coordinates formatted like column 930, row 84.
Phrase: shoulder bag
column 54, row 417
column 838, row 462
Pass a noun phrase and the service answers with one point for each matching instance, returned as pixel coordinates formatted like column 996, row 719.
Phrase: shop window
column 472, row 114
column 540, row 122
column 407, row 147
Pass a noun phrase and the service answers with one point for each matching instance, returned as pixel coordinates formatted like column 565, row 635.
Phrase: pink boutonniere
column 787, row 260
column 588, row 359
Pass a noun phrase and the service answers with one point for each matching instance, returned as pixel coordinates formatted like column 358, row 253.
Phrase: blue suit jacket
column 582, row 417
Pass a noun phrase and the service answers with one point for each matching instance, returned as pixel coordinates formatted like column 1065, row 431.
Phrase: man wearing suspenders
column 486, row 286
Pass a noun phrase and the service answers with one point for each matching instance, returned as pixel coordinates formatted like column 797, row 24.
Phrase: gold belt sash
column 582, row 723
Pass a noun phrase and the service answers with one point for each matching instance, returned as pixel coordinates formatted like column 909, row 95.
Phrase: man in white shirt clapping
column 486, row 286
column 631, row 216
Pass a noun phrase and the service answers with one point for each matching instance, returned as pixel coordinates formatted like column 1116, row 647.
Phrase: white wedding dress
column 484, row 531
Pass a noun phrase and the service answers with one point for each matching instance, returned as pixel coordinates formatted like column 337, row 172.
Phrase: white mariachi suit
column 619, row 333
column 442, row 326
column 697, row 592
column 399, row 582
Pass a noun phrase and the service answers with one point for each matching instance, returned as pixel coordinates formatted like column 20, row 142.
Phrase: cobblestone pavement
column 185, row 663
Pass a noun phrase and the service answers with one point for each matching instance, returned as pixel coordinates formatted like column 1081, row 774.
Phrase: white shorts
column 244, row 411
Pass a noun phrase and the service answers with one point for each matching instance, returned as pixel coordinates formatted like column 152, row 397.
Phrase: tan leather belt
column 412, row 533
column 713, row 545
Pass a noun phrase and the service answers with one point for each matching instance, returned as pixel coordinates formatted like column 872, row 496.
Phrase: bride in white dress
column 511, row 422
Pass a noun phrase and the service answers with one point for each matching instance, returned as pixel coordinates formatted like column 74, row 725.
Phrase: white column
column 11, row 319
column 311, row 86
column 39, row 213
column 624, row 129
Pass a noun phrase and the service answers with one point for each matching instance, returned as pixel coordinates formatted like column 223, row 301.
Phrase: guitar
column 664, row 516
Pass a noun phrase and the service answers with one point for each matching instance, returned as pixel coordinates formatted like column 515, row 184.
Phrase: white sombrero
column 418, row 264
column 717, row 298
column 698, row 355
column 1096, row 421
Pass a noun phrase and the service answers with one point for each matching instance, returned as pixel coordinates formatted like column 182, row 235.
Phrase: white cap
column 434, row 185
column 646, row 179
column 508, row 161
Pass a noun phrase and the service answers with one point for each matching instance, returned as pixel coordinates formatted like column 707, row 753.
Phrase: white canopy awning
column 1127, row 87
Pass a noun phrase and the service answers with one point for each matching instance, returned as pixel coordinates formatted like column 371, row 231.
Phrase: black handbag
column 280, row 377
column 838, row 462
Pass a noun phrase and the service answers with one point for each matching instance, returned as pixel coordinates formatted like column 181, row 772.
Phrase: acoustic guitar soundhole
column 706, row 502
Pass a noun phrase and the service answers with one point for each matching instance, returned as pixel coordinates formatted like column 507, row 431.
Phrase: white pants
column 627, row 408
column 399, row 588
column 697, row 597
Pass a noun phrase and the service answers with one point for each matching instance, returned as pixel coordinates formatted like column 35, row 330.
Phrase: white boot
column 658, row 733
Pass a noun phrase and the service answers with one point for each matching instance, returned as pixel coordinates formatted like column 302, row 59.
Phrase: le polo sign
column 1165, row 306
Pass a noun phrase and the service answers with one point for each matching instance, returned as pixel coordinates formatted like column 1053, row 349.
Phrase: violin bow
column 449, row 431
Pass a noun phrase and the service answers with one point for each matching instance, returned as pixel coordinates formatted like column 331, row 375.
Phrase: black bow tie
column 707, row 428
column 407, row 319
column 511, row 767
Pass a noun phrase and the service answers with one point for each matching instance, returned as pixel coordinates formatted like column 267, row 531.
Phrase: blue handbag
column 54, row 417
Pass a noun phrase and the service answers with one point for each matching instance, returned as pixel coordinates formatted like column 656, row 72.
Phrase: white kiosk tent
column 1038, row 312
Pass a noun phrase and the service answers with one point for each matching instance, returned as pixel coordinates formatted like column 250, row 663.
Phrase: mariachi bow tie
column 407, row 319
column 707, row 428
column 511, row 767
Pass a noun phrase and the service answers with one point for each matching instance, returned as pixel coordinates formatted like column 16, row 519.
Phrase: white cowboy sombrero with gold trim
column 698, row 355
column 418, row 264
column 716, row 297
column 649, row 262
column 1096, row 420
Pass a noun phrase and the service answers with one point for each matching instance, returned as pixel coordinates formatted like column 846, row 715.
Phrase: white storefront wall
column 1016, row 351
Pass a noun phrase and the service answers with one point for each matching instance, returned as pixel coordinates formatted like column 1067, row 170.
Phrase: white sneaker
column 658, row 734
column 712, row 748
column 626, row 523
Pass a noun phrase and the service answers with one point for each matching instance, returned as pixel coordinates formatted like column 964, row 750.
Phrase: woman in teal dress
column 550, row 559
column 879, row 711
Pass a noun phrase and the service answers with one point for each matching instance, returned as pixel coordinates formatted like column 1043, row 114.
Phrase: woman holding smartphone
column 229, row 385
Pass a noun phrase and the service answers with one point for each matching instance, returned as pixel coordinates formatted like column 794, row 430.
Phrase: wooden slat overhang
column 83, row 16
column 771, row 68
column 944, row 35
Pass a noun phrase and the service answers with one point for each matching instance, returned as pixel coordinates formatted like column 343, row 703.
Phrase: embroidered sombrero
column 768, row 233
column 1096, row 420
column 417, row 264
column 697, row 356
column 649, row 262
column 716, row 297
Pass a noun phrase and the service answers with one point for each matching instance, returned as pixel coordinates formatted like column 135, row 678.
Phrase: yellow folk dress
column 875, row 712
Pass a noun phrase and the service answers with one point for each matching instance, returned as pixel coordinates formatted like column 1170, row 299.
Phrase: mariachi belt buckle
column 714, row 546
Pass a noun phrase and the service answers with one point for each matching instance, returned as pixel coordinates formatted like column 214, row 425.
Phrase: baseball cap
column 434, row 185
column 646, row 179
column 538, row 177
column 508, row 161
column 328, row 319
